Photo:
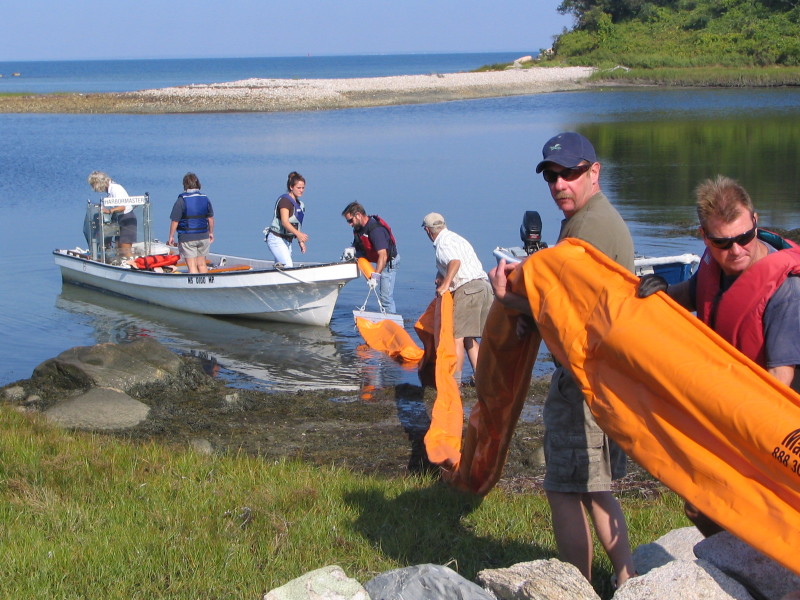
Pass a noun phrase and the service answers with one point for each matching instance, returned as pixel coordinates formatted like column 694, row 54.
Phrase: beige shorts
column 195, row 248
column 471, row 304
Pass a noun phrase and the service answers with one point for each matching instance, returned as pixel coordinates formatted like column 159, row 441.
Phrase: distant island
column 272, row 95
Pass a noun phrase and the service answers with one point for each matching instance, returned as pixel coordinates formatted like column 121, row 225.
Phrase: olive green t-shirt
column 599, row 223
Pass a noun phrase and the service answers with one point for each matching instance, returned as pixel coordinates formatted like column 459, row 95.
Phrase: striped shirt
column 451, row 246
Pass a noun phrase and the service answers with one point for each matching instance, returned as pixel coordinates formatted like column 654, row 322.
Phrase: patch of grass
column 88, row 516
column 704, row 76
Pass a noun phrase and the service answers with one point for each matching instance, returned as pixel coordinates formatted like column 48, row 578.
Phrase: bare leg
column 126, row 250
column 472, row 346
column 612, row 531
column 459, row 358
column 571, row 530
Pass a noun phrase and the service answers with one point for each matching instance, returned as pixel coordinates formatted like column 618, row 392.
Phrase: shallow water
column 472, row 161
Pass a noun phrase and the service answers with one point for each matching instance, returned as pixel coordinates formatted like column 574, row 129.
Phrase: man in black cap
column 581, row 461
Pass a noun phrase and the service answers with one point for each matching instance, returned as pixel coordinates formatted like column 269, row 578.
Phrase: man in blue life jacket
column 192, row 217
column 373, row 239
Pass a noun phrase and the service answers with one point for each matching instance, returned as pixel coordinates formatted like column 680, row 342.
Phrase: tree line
column 680, row 33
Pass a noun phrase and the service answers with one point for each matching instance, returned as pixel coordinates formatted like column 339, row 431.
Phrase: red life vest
column 364, row 245
column 156, row 260
column 737, row 313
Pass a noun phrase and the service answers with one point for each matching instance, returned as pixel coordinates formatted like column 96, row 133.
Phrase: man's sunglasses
column 725, row 243
column 351, row 220
column 551, row 176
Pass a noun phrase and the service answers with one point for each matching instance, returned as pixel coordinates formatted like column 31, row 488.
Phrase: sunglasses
column 725, row 243
column 551, row 176
column 351, row 220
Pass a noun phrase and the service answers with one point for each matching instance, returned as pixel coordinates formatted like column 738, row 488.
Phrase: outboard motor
column 531, row 232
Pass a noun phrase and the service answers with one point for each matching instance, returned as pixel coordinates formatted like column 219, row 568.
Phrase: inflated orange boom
column 695, row 412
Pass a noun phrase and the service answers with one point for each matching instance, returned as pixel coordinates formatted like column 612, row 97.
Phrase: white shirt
column 115, row 190
column 451, row 246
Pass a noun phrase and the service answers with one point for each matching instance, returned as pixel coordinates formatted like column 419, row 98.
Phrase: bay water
column 472, row 161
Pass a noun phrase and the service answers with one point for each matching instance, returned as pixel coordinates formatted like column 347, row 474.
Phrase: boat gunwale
column 299, row 267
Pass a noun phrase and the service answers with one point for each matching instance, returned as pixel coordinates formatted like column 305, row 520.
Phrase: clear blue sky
column 96, row 29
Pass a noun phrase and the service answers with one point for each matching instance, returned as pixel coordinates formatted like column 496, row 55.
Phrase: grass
column 87, row 516
column 705, row 76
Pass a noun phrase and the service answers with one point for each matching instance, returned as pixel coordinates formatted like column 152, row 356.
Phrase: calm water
column 130, row 75
column 472, row 161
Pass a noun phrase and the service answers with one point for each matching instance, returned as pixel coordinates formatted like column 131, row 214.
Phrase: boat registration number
column 200, row 279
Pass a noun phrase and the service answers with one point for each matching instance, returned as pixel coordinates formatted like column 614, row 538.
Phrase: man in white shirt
column 460, row 272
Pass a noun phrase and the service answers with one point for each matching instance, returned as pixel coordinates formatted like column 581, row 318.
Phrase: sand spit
column 272, row 95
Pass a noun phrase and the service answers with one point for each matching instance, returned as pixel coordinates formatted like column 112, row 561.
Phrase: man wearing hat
column 581, row 461
column 458, row 270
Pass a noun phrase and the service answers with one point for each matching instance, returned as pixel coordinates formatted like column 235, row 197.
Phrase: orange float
column 696, row 413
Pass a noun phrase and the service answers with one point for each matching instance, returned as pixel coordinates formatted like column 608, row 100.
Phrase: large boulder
column 677, row 544
column 767, row 578
column 327, row 583
column 99, row 409
column 424, row 582
column 538, row 580
column 119, row 366
column 683, row 580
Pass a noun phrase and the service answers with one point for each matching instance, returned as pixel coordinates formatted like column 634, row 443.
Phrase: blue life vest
column 296, row 218
column 195, row 214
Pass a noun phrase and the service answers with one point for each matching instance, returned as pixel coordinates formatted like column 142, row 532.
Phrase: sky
column 122, row 29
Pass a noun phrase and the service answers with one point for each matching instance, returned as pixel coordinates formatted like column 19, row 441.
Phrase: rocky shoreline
column 276, row 95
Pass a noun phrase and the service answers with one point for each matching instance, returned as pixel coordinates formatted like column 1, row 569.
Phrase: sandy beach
column 274, row 95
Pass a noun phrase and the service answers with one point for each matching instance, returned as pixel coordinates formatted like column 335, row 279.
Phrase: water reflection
column 270, row 356
column 654, row 165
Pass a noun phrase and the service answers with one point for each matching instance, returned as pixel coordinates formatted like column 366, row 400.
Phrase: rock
column 424, row 582
column 766, row 577
column 677, row 544
column 99, row 408
column 538, row 580
column 327, row 583
column 683, row 580
column 119, row 366
column 201, row 446
column 14, row 393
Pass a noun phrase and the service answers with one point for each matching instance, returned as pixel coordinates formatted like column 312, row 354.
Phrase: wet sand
column 275, row 95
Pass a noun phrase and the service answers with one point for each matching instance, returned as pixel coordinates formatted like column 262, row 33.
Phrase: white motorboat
column 234, row 286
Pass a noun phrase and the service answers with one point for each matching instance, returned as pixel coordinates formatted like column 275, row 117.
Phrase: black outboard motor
column 531, row 232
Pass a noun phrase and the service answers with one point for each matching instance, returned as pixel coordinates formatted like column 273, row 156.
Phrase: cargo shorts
column 579, row 457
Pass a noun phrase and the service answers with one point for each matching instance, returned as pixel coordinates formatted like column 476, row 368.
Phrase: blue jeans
column 386, row 286
column 281, row 249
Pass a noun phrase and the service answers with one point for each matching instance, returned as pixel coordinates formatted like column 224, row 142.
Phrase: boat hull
column 305, row 294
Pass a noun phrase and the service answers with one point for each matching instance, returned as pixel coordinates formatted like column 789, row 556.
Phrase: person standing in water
column 287, row 220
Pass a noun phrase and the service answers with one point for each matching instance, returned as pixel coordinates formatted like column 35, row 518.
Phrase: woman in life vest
column 286, row 222
column 192, row 218
column 124, row 215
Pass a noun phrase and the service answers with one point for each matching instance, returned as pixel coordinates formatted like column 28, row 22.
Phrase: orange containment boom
column 691, row 409
column 435, row 329
column 389, row 337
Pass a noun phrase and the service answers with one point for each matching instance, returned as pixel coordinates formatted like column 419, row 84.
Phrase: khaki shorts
column 195, row 248
column 471, row 303
column 579, row 457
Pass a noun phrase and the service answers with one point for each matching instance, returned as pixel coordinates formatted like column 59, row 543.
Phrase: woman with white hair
column 124, row 215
